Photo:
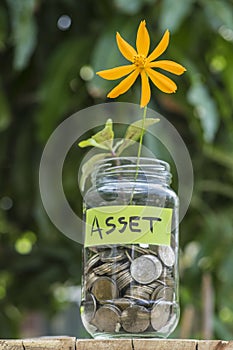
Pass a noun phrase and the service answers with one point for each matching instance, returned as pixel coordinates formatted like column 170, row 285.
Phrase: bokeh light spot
column 6, row 203
column 23, row 245
column 226, row 315
column 64, row 22
column 86, row 73
column 218, row 63
column 226, row 33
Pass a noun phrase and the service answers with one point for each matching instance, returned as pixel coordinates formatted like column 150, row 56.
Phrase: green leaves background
column 41, row 85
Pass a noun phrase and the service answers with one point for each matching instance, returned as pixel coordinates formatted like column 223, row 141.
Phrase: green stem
column 140, row 142
column 139, row 151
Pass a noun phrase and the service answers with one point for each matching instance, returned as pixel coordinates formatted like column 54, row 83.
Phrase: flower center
column 139, row 61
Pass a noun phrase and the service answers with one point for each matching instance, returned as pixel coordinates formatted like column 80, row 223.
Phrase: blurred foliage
column 47, row 74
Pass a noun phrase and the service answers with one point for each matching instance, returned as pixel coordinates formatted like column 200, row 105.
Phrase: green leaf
column 102, row 139
column 106, row 135
column 219, row 156
column 205, row 108
column 3, row 28
column 93, row 143
column 219, row 14
column 173, row 13
column 5, row 115
column 88, row 168
column 218, row 187
column 24, row 30
column 130, row 7
column 134, row 131
column 55, row 95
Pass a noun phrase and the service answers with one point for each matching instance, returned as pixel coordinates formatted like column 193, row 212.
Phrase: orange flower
column 142, row 64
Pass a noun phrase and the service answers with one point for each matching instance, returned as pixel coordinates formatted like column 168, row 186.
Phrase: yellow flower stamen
column 139, row 61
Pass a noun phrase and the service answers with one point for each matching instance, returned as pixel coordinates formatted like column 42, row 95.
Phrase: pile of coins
column 129, row 288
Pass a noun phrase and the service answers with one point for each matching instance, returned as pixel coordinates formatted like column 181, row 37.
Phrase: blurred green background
column 49, row 52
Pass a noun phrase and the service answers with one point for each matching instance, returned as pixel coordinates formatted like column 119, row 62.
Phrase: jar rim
column 152, row 168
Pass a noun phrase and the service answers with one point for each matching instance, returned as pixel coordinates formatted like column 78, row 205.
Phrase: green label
column 127, row 225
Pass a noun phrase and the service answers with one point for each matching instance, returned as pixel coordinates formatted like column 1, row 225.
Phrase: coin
column 145, row 269
column 167, row 255
column 89, row 307
column 136, row 292
column 118, row 267
column 124, row 279
column 154, row 295
column 147, row 289
column 91, row 262
column 155, row 284
column 107, row 319
column 128, row 287
column 121, row 303
column 103, row 269
column 165, row 293
column 128, row 256
column 90, row 279
column 160, row 314
column 135, row 319
column 140, row 302
column 105, row 288
column 112, row 255
column 173, row 320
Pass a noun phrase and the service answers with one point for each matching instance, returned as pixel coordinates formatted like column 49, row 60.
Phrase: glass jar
column 130, row 260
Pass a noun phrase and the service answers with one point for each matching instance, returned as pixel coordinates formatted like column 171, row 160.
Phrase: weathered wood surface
column 70, row 343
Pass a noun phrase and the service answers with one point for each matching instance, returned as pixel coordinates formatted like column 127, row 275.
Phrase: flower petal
column 125, row 48
column 116, row 73
column 160, row 48
column 143, row 39
column 124, row 85
column 169, row 66
column 145, row 90
column 161, row 81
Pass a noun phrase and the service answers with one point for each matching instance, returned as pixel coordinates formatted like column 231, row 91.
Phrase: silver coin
column 107, row 319
column 145, row 269
column 160, row 314
column 124, row 280
column 89, row 307
column 121, row 303
column 172, row 322
column 116, row 268
column 156, row 291
column 91, row 262
column 89, row 280
column 165, row 293
column 135, row 319
column 155, row 284
column 167, row 255
column 137, row 292
column 138, row 301
column 103, row 269
column 112, row 255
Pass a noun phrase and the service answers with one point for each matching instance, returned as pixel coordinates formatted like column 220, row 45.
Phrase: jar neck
column 149, row 170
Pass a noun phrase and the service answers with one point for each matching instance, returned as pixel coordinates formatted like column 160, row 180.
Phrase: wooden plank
column 70, row 343
column 11, row 344
column 215, row 345
column 164, row 344
column 49, row 343
column 106, row 344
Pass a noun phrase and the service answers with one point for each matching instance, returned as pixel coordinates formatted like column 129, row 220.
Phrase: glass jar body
column 130, row 258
